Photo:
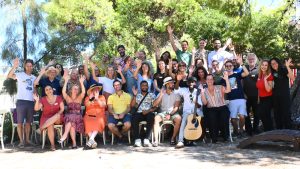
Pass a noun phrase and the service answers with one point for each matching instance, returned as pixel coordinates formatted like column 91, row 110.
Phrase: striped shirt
column 216, row 99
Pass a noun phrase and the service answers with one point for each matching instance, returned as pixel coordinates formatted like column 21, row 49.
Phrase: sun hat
column 168, row 80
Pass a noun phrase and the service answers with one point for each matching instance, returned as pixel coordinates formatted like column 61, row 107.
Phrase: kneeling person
column 144, row 103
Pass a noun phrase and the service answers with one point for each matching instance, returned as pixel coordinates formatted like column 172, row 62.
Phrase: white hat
column 168, row 80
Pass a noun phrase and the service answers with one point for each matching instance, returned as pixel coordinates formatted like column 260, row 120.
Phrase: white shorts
column 236, row 107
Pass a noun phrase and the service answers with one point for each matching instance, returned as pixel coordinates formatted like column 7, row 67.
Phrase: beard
column 144, row 90
column 122, row 54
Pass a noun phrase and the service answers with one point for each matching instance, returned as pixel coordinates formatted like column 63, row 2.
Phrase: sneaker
column 137, row 143
column 89, row 143
column 147, row 143
column 179, row 145
column 94, row 144
column 155, row 144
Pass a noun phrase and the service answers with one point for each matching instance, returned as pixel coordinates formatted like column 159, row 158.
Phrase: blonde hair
column 106, row 71
column 259, row 68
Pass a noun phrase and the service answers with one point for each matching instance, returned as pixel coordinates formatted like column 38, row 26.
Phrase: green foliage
column 9, row 86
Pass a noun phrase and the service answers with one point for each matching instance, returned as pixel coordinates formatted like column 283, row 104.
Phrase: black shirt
column 281, row 82
column 249, row 82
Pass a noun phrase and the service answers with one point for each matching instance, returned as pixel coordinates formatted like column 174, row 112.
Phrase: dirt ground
column 224, row 155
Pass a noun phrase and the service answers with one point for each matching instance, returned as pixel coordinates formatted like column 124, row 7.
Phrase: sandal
column 173, row 142
column 53, row 148
column 21, row 145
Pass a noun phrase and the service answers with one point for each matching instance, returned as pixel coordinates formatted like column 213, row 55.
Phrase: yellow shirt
column 119, row 103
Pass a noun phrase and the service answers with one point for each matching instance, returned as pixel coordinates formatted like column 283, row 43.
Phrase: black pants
column 137, row 118
column 217, row 119
column 251, row 104
column 264, row 111
column 282, row 111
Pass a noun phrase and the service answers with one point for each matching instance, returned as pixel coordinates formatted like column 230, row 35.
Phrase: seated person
column 144, row 103
column 189, row 95
column 94, row 119
column 118, row 108
column 169, row 103
column 53, row 108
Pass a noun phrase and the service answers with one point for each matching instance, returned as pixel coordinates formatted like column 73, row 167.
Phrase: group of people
column 215, row 85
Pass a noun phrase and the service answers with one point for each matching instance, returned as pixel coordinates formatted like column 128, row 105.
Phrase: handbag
column 134, row 110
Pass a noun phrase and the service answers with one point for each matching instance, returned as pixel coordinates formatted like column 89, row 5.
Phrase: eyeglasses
column 228, row 66
column 191, row 98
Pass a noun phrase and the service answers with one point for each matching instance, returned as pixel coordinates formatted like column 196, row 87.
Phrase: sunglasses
column 191, row 98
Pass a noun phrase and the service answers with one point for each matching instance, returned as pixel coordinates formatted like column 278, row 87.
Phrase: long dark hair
column 62, row 69
column 280, row 65
column 195, row 74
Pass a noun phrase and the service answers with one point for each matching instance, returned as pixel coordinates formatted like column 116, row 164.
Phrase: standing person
column 218, row 54
column 143, row 72
column 159, row 76
column 189, row 95
column 182, row 70
column 94, row 118
column 282, row 107
column 128, row 72
column 182, row 55
column 142, row 56
column 118, row 108
column 251, row 93
column 200, row 74
column 61, row 71
column 202, row 53
column 169, row 103
column 264, row 85
column 237, row 102
column 122, row 52
column 73, row 119
column 108, row 79
column 49, row 80
column 145, row 112
column 53, row 108
column 25, row 104
column 217, row 73
column 217, row 115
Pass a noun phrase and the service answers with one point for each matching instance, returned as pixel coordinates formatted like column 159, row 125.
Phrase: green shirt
column 186, row 57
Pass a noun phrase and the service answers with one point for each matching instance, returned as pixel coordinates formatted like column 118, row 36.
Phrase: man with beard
column 145, row 112
column 120, row 60
column 218, row 54
column 182, row 55
column 189, row 95
column 169, row 103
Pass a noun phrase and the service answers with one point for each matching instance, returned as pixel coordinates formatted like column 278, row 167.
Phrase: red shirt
column 262, row 92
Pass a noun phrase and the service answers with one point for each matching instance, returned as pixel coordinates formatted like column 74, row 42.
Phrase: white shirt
column 220, row 56
column 188, row 105
column 25, row 86
column 107, row 84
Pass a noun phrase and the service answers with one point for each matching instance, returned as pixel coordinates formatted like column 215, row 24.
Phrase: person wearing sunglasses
column 237, row 101
column 189, row 95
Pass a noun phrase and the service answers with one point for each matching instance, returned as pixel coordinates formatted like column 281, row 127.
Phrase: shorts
column 25, row 110
column 164, row 114
column 237, row 106
column 127, row 118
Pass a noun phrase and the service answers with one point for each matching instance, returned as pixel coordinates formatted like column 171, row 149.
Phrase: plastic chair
column 59, row 129
column 161, row 134
column 143, row 123
column 112, row 134
column 2, row 117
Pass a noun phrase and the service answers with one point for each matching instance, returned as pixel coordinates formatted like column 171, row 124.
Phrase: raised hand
column 16, row 63
column 36, row 97
column 96, row 94
column 179, row 77
column 119, row 70
column 66, row 72
column 288, row 62
column 162, row 91
column 82, row 78
column 93, row 65
column 194, row 51
column 191, row 69
column 51, row 62
column 239, row 59
column 225, row 75
column 43, row 70
column 228, row 42
column 169, row 29
column 266, row 77
column 134, row 91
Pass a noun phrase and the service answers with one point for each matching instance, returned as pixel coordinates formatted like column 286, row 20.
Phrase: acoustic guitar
column 193, row 129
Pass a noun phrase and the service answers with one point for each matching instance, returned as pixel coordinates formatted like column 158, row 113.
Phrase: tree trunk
column 24, row 23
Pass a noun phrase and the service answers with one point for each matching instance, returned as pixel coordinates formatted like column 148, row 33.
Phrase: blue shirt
column 235, row 81
column 54, row 84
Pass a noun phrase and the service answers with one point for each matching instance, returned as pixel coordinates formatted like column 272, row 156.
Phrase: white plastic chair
column 59, row 129
column 2, row 117
column 112, row 134
column 161, row 133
